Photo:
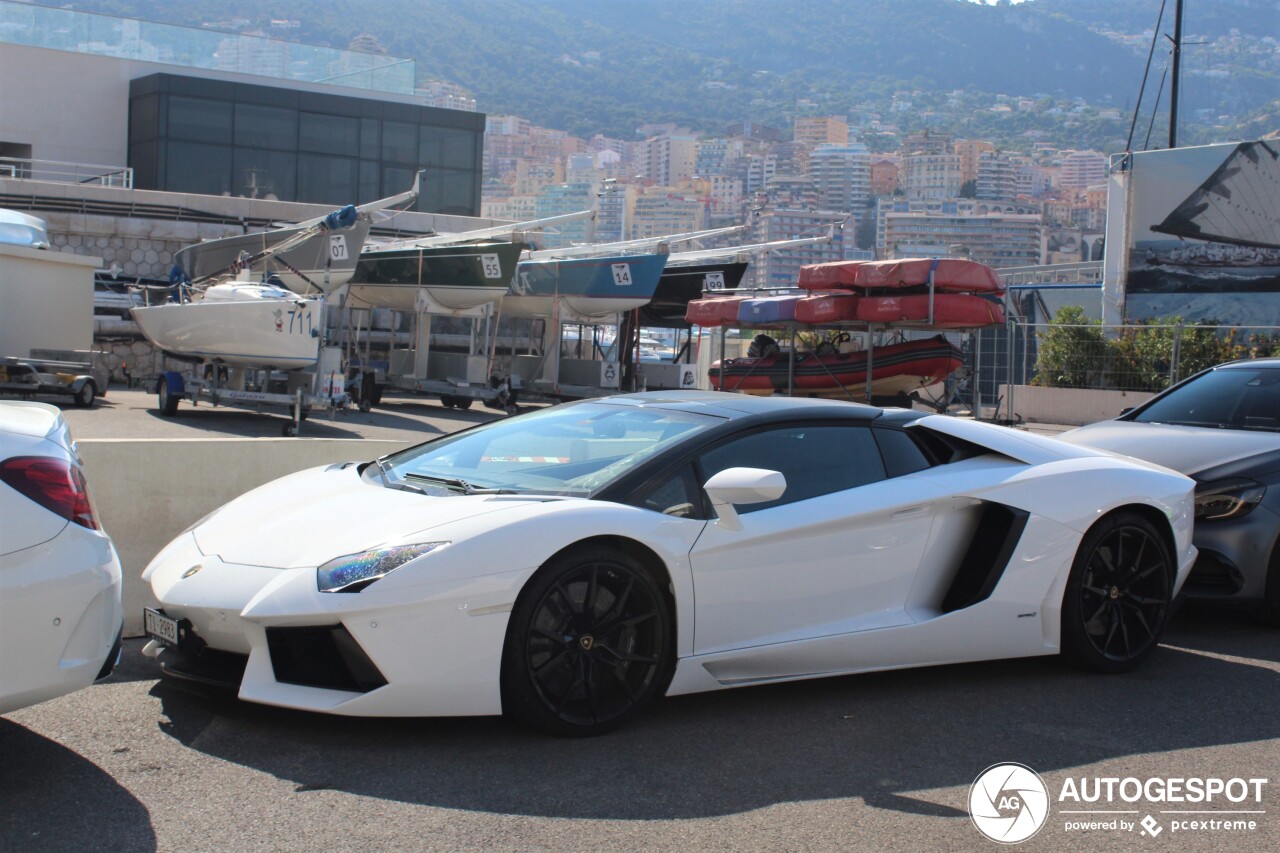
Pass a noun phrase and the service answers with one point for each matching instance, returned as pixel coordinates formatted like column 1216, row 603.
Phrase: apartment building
column 933, row 176
column 841, row 175
column 884, row 175
column 659, row 211
column 813, row 131
column 559, row 199
column 781, row 268
column 969, row 151
column 1080, row 169
column 997, row 240
column 996, row 179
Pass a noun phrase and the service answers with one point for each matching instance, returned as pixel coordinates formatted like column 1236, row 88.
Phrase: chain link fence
column 1141, row 357
column 1145, row 358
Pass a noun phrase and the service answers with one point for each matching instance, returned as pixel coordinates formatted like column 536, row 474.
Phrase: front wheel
column 591, row 641
column 86, row 396
column 1118, row 596
column 1269, row 611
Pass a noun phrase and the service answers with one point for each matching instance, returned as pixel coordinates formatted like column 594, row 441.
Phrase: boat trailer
column 300, row 393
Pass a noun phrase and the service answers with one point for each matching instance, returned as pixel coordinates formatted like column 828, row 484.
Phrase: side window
column 901, row 454
column 675, row 494
column 816, row 460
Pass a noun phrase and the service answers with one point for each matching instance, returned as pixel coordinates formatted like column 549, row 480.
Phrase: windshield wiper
column 459, row 484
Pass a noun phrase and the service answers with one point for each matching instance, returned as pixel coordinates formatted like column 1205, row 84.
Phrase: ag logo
column 1008, row 803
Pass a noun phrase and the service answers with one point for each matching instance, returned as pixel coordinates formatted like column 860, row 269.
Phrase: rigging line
column 1155, row 36
column 1146, row 143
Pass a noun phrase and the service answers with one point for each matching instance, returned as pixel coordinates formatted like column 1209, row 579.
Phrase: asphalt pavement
column 871, row 762
column 133, row 413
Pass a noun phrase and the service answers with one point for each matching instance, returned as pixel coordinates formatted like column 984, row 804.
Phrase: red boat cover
column 713, row 311
column 950, row 310
column 952, row 275
column 827, row 308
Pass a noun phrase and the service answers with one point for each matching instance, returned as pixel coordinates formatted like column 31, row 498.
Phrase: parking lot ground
column 871, row 762
column 133, row 413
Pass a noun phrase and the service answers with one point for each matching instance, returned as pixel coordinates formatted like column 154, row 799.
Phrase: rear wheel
column 1118, row 596
column 86, row 396
column 590, row 642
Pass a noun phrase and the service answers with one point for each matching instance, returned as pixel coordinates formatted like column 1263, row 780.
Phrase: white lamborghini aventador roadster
column 567, row 566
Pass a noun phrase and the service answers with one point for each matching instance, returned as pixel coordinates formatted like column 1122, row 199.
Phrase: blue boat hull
column 586, row 287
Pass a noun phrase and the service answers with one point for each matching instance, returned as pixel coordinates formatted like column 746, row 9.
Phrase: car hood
column 309, row 518
column 1189, row 450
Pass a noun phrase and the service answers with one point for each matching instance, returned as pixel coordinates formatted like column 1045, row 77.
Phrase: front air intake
column 322, row 656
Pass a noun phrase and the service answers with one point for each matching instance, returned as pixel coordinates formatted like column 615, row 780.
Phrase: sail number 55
column 491, row 267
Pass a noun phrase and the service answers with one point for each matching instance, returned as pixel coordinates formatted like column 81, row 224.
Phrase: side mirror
column 742, row 486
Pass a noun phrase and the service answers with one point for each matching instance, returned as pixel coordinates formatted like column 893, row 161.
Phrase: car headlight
column 1227, row 498
column 354, row 572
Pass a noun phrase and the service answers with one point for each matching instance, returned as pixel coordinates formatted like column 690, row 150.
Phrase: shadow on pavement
column 44, row 792
column 879, row 737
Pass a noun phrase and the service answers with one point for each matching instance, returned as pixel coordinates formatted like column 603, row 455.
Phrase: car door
column 836, row 553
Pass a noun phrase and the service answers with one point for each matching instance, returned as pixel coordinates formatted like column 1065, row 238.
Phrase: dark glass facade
column 194, row 135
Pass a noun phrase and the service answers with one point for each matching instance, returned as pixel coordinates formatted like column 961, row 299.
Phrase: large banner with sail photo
column 1204, row 235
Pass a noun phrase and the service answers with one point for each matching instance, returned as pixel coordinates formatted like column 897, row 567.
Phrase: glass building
column 198, row 135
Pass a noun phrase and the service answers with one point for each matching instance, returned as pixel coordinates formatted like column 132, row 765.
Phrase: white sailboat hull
column 282, row 334
column 404, row 297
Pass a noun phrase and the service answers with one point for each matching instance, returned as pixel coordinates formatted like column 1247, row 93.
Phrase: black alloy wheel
column 1119, row 595
column 590, row 642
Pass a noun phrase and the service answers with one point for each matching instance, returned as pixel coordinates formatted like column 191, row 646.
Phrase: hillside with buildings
column 980, row 132
column 1065, row 72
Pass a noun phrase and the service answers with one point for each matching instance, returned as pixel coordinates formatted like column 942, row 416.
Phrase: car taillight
column 55, row 484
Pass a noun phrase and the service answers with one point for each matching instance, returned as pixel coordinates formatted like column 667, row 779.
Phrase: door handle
column 911, row 512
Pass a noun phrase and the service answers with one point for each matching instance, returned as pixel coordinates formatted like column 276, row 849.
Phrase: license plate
column 160, row 627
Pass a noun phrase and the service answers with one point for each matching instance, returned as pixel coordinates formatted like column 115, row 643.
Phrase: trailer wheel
column 364, row 404
column 289, row 430
column 463, row 402
column 447, row 400
column 168, row 402
column 86, row 396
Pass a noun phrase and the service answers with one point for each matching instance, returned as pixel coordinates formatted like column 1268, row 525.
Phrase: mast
column 1177, row 74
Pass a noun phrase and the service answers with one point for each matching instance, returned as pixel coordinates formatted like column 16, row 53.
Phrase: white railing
column 61, row 172
column 1084, row 272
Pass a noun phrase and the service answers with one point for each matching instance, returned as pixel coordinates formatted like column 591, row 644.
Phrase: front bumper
column 433, row 649
column 1235, row 556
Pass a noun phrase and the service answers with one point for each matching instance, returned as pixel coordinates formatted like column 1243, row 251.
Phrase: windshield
column 574, row 449
column 1230, row 398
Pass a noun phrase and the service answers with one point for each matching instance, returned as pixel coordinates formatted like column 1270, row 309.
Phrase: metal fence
column 66, row 173
column 1138, row 357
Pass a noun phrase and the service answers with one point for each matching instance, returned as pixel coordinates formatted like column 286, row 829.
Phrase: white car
column 60, row 611
column 567, row 566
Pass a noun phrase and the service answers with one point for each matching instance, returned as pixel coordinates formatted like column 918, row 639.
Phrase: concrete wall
column 46, row 300
column 1068, row 406
column 147, row 491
